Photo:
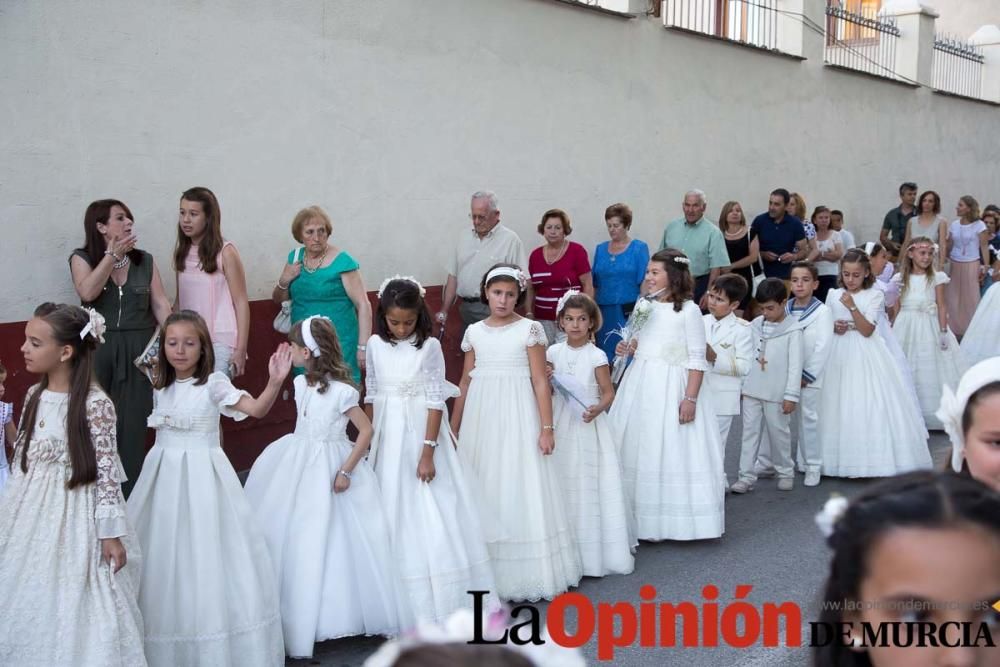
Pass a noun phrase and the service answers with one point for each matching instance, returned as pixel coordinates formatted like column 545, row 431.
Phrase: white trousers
column 760, row 418
column 809, row 456
column 725, row 424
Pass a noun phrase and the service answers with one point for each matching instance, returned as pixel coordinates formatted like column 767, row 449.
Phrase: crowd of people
column 595, row 420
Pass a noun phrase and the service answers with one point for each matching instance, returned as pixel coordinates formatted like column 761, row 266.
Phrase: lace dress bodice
column 678, row 338
column 404, row 371
column 48, row 454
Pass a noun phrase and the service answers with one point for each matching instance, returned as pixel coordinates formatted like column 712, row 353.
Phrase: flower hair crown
column 95, row 327
column 509, row 272
column 564, row 298
column 409, row 279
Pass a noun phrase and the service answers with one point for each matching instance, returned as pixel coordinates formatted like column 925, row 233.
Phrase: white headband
column 953, row 404
column 564, row 298
column 869, row 247
column 409, row 279
column 307, row 336
column 514, row 273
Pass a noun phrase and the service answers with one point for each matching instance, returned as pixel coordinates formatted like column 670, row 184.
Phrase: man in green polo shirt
column 701, row 240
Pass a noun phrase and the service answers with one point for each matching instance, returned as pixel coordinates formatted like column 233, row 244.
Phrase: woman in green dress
column 325, row 280
column 122, row 283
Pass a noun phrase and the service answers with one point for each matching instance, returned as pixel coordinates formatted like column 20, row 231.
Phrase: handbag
column 283, row 320
column 147, row 362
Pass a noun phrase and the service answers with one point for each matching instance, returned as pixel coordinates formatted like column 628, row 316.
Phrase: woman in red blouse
column 556, row 267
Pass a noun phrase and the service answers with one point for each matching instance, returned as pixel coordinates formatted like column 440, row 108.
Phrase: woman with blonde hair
column 969, row 254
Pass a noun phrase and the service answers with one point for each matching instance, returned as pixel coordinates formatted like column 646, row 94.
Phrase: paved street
column 771, row 543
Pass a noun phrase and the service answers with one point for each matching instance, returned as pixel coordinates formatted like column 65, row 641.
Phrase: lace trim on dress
column 110, row 503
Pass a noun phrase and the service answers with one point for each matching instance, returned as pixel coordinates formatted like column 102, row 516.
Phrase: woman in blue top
column 618, row 270
column 325, row 280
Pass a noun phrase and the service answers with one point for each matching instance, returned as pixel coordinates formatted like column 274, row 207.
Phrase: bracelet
column 529, row 313
column 441, row 317
column 853, row 309
column 691, row 400
column 113, row 255
column 344, row 473
column 431, row 443
column 362, row 348
column 945, row 330
column 549, row 427
column 283, row 288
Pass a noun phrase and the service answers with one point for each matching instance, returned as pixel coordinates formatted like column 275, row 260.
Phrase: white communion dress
column 673, row 472
column 208, row 595
column 435, row 526
column 586, row 460
column 916, row 327
column 60, row 603
column 868, row 424
column 531, row 543
column 982, row 338
column 331, row 552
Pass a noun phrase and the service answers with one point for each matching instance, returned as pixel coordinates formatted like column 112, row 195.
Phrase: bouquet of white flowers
column 636, row 320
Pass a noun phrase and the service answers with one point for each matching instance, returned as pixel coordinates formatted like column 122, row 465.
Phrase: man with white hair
column 479, row 248
column 701, row 240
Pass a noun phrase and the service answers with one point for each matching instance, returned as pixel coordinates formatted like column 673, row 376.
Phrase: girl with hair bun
column 317, row 502
column 919, row 548
column 69, row 567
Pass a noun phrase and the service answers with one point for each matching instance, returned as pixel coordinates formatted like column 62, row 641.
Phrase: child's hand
column 847, row 300
column 590, row 413
column 686, row 412
column 840, row 327
column 550, row 370
column 547, row 442
column 112, row 551
column 280, row 363
column 425, row 469
column 710, row 354
column 341, row 483
column 787, row 407
column 623, row 349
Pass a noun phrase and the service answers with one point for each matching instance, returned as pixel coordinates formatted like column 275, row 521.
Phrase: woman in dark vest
column 122, row 283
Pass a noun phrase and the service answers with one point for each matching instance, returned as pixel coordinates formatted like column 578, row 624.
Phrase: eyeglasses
column 479, row 218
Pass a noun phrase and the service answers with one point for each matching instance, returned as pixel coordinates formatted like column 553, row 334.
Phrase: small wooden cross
column 763, row 363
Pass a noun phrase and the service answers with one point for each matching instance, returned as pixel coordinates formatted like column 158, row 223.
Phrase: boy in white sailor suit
column 817, row 333
column 771, row 390
column 730, row 351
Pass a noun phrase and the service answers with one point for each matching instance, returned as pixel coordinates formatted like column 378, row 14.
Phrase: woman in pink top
column 210, row 279
column 556, row 267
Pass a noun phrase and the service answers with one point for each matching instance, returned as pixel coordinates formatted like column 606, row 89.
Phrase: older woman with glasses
column 322, row 279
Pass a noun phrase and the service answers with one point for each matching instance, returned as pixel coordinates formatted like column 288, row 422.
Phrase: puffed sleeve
column 941, row 278
column 694, row 335
column 348, row 397
column 371, row 383
column 536, row 335
column 436, row 388
column 874, row 307
column 597, row 357
column 109, row 514
column 467, row 338
column 224, row 396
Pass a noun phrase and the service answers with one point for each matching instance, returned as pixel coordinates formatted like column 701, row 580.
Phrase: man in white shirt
column 479, row 248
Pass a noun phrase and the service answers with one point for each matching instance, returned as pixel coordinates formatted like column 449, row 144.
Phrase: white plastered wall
column 388, row 113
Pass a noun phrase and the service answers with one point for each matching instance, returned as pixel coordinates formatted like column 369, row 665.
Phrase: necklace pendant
column 41, row 423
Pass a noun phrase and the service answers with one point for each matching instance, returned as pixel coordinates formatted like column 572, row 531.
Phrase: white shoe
column 812, row 478
column 741, row 487
column 786, row 484
column 764, row 473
